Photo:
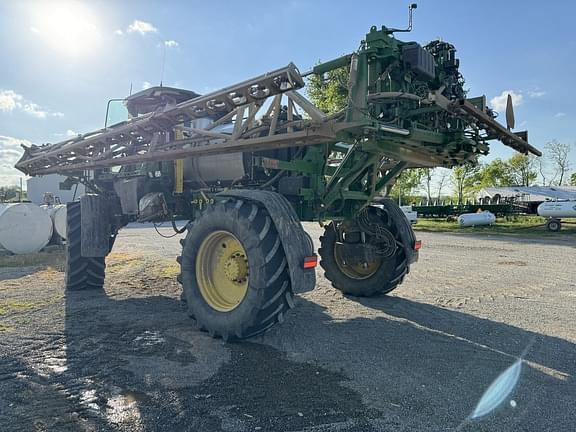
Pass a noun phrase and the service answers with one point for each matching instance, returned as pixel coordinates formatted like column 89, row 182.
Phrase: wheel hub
column 236, row 268
column 222, row 271
column 356, row 270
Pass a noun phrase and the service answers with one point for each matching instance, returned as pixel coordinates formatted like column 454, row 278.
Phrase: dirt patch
column 9, row 307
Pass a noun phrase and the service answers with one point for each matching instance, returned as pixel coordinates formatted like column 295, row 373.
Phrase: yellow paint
column 179, row 167
column 356, row 271
column 222, row 271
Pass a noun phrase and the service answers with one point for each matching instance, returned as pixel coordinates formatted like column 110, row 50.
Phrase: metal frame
column 268, row 113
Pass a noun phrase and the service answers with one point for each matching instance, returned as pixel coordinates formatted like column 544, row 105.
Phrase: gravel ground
column 129, row 359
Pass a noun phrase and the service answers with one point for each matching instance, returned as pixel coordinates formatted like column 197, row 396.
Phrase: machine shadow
column 433, row 364
column 107, row 340
column 144, row 366
column 425, row 366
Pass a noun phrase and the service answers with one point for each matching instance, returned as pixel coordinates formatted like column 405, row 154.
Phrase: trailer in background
column 445, row 210
column 54, row 184
column 554, row 211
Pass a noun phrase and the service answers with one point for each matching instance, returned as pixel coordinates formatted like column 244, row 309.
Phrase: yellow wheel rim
column 222, row 271
column 356, row 271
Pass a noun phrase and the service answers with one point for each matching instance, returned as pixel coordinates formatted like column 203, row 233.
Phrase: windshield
column 116, row 112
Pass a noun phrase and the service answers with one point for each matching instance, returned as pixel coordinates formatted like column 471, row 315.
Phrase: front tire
column 234, row 271
column 376, row 277
column 82, row 273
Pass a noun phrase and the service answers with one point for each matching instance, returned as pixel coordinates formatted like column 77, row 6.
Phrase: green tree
column 329, row 92
column 427, row 175
column 464, row 179
column 522, row 169
column 406, row 184
column 573, row 179
column 494, row 174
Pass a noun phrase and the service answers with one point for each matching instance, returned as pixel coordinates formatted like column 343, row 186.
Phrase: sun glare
column 69, row 26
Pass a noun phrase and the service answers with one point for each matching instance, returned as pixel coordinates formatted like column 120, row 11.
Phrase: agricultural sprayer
column 247, row 163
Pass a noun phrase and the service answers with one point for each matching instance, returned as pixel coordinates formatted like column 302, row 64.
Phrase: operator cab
column 144, row 102
column 153, row 98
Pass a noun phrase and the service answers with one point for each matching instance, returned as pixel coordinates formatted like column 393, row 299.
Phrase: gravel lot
column 129, row 359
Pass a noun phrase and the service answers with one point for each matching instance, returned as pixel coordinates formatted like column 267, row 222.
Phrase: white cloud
column 34, row 110
column 10, row 152
column 535, row 93
column 70, row 133
column 34, row 30
column 146, row 85
column 11, row 142
column 118, row 32
column 9, row 100
column 141, row 27
column 499, row 102
column 560, row 114
column 171, row 44
column 12, row 101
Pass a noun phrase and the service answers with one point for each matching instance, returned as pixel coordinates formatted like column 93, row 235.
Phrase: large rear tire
column 234, row 271
column 376, row 277
column 81, row 273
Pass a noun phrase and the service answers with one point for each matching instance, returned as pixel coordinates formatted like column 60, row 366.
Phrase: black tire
column 269, row 294
column 554, row 225
column 81, row 273
column 386, row 278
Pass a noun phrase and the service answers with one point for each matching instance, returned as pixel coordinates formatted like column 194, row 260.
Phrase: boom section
column 152, row 137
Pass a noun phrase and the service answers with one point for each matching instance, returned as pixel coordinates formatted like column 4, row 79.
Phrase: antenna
column 411, row 8
column 163, row 61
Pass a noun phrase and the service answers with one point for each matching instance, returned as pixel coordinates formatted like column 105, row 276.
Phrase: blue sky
column 62, row 60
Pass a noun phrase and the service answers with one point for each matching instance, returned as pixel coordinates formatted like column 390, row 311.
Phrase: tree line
column 552, row 169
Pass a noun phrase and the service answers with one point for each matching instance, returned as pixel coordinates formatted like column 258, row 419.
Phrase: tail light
column 310, row 262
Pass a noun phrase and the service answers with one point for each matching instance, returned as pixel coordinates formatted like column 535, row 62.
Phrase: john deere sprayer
column 246, row 164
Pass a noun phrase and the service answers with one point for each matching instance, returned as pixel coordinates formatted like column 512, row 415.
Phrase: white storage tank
column 24, row 228
column 58, row 215
column 557, row 209
column 476, row 219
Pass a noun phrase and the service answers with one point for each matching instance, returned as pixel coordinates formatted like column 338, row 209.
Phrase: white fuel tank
column 476, row 219
column 58, row 215
column 24, row 228
column 557, row 209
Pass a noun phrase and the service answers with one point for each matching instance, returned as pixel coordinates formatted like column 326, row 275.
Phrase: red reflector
column 418, row 245
column 310, row 262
